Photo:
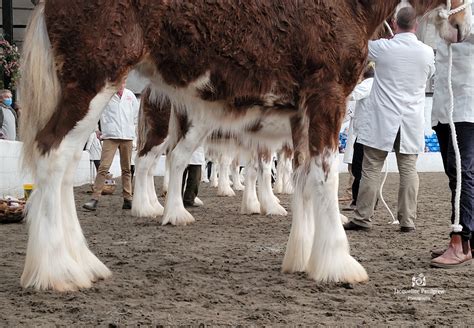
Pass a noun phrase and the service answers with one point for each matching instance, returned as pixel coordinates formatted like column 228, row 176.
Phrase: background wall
column 12, row 177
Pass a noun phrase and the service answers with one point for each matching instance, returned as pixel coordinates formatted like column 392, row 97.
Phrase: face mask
column 8, row 101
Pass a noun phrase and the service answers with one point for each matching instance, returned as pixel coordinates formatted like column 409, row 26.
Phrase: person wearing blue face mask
column 8, row 116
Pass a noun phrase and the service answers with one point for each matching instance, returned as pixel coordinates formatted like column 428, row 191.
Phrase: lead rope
column 394, row 221
column 457, row 198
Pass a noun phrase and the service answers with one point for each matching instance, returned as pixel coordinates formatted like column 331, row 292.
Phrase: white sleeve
column 361, row 91
column 375, row 48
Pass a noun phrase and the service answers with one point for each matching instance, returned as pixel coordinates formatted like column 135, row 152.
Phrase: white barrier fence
column 12, row 177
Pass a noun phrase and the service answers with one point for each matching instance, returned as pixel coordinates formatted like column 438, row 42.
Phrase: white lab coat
column 120, row 117
column 356, row 103
column 396, row 103
column 462, row 82
column 94, row 147
column 197, row 158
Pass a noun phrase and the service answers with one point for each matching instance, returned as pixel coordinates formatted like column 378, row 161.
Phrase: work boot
column 127, row 204
column 91, row 205
column 457, row 254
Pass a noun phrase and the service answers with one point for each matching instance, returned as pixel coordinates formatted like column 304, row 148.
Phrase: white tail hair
column 39, row 87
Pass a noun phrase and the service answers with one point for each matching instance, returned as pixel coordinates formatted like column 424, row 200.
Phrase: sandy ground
column 225, row 270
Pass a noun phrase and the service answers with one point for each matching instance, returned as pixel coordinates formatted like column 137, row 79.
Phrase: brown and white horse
column 220, row 63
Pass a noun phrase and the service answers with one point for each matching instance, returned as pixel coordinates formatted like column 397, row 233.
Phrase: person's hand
column 98, row 134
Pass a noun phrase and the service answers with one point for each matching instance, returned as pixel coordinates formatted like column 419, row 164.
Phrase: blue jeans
column 465, row 136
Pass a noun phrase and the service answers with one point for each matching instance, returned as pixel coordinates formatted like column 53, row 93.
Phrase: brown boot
column 440, row 251
column 457, row 254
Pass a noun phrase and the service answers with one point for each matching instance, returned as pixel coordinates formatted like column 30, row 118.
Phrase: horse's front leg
column 323, row 250
column 175, row 213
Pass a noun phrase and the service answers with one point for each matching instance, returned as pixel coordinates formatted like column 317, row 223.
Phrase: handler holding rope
column 461, row 244
column 392, row 120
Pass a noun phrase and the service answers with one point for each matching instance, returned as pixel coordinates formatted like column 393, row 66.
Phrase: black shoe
column 353, row 226
column 407, row 229
column 127, row 204
column 91, row 205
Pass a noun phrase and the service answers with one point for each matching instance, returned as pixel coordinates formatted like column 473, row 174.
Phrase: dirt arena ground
column 225, row 270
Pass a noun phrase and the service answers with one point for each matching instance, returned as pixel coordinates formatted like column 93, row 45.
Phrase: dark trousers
column 96, row 164
column 465, row 136
column 356, row 169
column 209, row 169
column 191, row 180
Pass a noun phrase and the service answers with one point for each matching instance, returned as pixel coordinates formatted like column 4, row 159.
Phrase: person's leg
column 408, row 189
column 198, row 169
column 192, row 184
column 369, row 187
column 185, row 176
column 125, row 149
column 459, row 250
column 465, row 136
column 109, row 147
column 356, row 170
column 465, row 132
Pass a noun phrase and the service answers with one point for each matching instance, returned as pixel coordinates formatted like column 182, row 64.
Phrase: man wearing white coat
column 394, row 119
column 117, row 124
column 459, row 251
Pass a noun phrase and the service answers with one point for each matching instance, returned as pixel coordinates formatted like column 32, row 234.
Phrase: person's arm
column 431, row 68
column 361, row 91
column 377, row 48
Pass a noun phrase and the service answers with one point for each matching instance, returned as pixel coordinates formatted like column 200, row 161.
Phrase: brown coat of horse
column 224, row 62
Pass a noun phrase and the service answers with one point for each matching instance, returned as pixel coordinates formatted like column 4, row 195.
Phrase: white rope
column 387, row 25
column 445, row 13
column 394, row 221
column 457, row 198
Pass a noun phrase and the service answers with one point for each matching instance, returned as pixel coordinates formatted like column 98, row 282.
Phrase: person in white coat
column 117, row 125
column 354, row 150
column 394, row 119
column 459, row 251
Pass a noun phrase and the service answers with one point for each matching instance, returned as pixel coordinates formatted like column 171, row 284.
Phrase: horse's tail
column 39, row 87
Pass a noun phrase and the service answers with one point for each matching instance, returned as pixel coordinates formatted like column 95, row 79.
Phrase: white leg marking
column 268, row 201
column 145, row 201
column 300, row 242
column 236, row 179
column 330, row 258
column 175, row 213
column 223, row 188
column 214, row 179
column 250, row 203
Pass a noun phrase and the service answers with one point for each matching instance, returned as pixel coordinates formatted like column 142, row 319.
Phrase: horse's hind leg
column 74, row 238
column 57, row 255
column 250, row 203
column 224, row 188
column 268, row 201
column 235, row 170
